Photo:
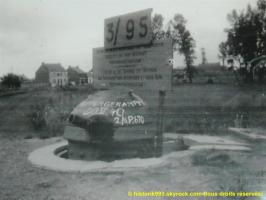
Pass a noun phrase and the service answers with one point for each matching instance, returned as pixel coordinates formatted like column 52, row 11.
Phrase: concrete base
column 45, row 158
column 113, row 151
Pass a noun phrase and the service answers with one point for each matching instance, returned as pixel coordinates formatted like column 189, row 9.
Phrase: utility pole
column 203, row 55
column 160, row 121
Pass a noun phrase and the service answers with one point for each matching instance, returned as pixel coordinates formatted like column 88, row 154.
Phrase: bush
column 11, row 81
column 54, row 121
column 37, row 117
column 51, row 109
column 48, row 120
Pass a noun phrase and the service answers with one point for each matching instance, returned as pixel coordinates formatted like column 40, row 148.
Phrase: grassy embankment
column 40, row 113
column 188, row 108
column 198, row 108
column 213, row 108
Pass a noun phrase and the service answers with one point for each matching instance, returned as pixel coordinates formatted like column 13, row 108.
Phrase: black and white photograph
column 132, row 99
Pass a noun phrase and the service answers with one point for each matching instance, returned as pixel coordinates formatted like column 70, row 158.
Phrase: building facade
column 76, row 76
column 52, row 73
column 90, row 77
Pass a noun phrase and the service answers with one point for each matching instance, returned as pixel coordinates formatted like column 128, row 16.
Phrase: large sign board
column 128, row 30
column 143, row 67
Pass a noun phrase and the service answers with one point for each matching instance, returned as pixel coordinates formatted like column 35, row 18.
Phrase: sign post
column 131, row 58
column 160, row 124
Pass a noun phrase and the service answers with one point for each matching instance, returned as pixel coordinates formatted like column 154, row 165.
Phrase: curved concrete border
column 220, row 147
column 45, row 158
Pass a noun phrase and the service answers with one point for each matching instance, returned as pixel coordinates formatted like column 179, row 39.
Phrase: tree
column 246, row 38
column 183, row 43
column 222, row 52
column 261, row 21
column 242, row 37
column 157, row 27
column 11, row 81
column 203, row 56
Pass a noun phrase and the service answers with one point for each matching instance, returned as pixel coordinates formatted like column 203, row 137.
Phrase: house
column 76, row 76
column 90, row 77
column 52, row 73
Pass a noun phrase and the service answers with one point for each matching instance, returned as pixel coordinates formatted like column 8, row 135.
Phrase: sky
column 65, row 31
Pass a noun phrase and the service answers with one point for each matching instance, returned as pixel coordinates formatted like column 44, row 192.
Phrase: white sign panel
column 128, row 30
column 143, row 67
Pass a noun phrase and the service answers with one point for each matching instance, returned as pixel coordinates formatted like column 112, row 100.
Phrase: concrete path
column 198, row 142
column 253, row 133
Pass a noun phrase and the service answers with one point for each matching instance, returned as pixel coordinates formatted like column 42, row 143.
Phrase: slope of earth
column 16, row 111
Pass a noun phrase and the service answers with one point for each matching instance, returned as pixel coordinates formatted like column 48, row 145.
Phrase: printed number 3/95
column 130, row 29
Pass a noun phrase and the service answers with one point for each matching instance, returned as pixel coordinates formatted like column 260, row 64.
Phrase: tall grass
column 51, row 108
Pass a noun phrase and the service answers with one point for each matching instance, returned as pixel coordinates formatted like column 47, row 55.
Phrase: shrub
column 47, row 120
column 54, row 121
column 11, row 81
column 37, row 117
column 51, row 109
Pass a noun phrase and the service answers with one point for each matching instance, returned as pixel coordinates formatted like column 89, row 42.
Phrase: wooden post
column 160, row 120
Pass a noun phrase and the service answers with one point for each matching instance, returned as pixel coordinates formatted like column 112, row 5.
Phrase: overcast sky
column 65, row 31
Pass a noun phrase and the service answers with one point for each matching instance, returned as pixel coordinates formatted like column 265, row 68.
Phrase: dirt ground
column 21, row 180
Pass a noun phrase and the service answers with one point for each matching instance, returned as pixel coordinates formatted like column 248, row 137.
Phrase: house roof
column 77, row 69
column 54, row 67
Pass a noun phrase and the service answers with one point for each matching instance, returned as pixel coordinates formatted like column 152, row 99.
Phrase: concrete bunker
column 109, row 125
